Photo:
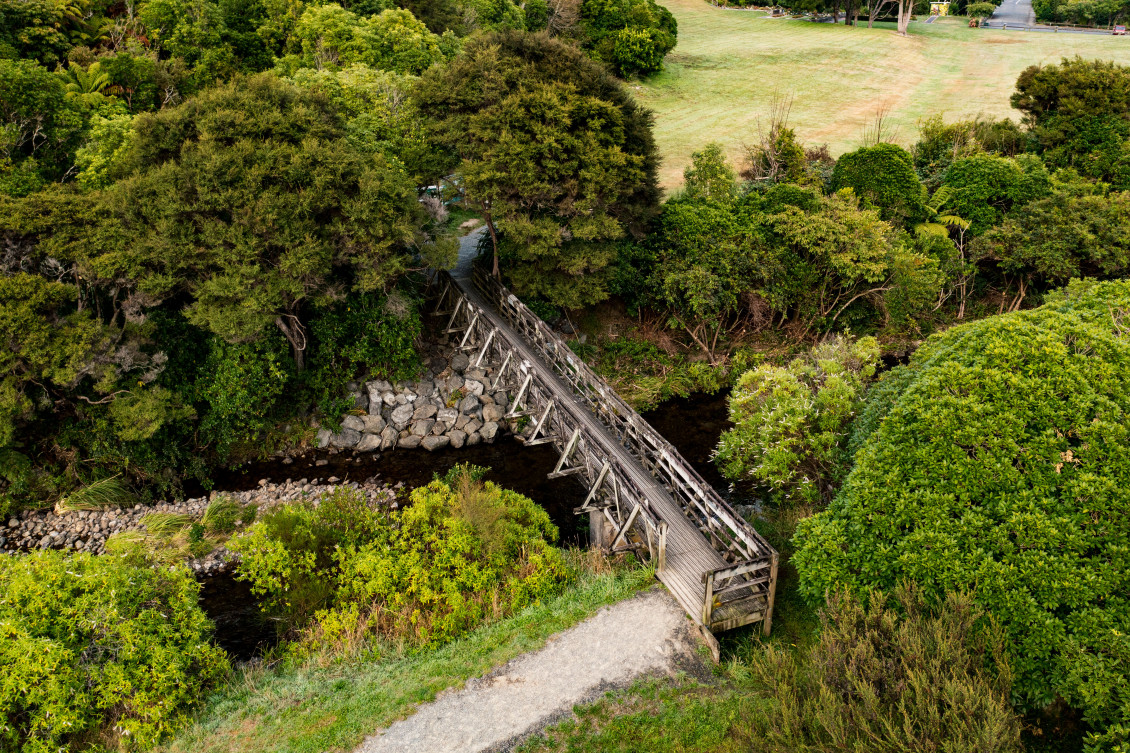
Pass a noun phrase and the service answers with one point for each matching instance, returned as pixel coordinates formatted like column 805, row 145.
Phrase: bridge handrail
column 658, row 456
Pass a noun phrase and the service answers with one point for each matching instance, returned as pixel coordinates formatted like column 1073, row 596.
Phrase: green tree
column 35, row 30
column 260, row 179
column 1053, row 240
column 1078, row 112
column 984, row 188
column 883, row 177
column 790, row 423
column 380, row 116
column 830, row 258
column 553, row 151
column 997, row 463
column 632, row 36
column 710, row 176
column 38, row 124
column 393, row 40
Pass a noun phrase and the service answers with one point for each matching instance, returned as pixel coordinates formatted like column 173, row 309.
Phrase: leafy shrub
column 460, row 552
column 902, row 677
column 883, row 177
column 240, row 384
column 99, row 647
column 790, row 423
column 632, row 36
column 999, row 460
column 984, row 187
column 368, row 335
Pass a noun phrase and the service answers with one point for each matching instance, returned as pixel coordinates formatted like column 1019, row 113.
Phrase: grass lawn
column 334, row 708
column 721, row 78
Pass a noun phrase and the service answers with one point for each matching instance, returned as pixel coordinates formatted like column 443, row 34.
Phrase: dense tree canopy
column 281, row 211
column 556, row 154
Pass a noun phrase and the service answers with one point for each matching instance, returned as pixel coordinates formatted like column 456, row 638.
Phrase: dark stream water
column 692, row 424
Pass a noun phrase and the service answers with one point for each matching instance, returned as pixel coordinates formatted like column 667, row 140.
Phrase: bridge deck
column 689, row 553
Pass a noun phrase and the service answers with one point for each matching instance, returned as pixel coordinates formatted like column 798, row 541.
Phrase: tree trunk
column 292, row 329
column 906, row 8
column 493, row 241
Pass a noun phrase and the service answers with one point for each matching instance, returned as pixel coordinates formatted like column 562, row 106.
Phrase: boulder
column 353, row 422
column 457, row 438
column 373, row 424
column 409, row 441
column 368, row 443
column 468, row 404
column 489, row 430
column 323, row 437
column 401, row 415
column 379, row 386
column 347, row 438
column 434, row 442
column 460, row 362
column 421, row 428
column 491, row 413
column 424, row 410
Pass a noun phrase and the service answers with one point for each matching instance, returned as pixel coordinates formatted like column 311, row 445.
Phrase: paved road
column 1014, row 12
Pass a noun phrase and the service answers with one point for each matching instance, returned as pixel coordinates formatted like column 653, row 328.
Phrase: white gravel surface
column 648, row 634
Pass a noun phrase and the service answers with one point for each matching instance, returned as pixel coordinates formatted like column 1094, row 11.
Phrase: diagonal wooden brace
column 625, row 528
column 540, row 425
column 519, row 399
column 560, row 470
column 454, row 313
column 486, row 347
column 470, row 331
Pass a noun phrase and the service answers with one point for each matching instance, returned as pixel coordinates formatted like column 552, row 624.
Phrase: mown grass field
column 721, row 79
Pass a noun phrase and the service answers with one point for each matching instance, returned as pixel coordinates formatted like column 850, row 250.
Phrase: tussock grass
column 720, row 80
column 311, row 708
column 98, row 495
column 166, row 525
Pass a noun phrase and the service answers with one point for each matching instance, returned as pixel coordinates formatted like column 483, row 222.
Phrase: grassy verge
column 334, row 708
column 719, row 82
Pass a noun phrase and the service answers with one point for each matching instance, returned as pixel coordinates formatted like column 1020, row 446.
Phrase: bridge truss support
column 643, row 496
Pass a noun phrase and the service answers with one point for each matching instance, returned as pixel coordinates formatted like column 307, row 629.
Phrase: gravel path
column 648, row 634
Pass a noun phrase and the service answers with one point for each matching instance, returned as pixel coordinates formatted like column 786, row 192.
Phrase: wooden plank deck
column 689, row 554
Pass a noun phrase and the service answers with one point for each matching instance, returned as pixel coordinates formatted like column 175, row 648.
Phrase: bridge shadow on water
column 691, row 424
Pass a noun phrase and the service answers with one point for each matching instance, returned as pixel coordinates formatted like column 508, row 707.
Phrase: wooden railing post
column 767, row 623
column 708, row 600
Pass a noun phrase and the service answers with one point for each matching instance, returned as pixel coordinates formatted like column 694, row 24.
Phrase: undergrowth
column 333, row 701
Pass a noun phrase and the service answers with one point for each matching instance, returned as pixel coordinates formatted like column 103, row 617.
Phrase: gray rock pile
column 87, row 531
column 454, row 404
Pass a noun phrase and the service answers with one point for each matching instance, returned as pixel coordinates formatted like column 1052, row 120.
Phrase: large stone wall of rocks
column 453, row 404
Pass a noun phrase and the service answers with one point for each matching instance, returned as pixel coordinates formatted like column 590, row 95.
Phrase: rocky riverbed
column 87, row 531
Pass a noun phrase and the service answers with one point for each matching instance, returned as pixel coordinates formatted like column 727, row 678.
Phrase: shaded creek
column 692, row 424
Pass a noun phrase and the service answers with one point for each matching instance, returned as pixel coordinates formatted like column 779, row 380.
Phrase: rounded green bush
column 95, row 648
column 998, row 463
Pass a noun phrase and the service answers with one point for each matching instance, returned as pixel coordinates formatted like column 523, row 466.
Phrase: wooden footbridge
column 643, row 496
